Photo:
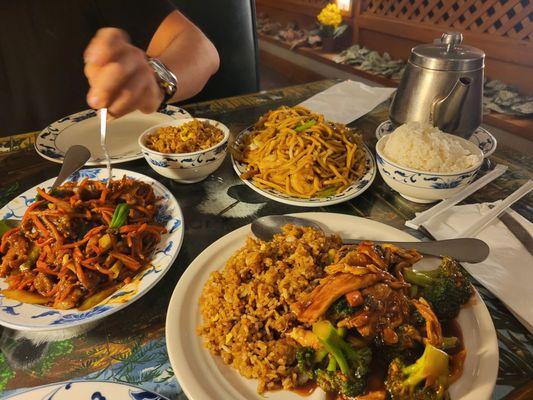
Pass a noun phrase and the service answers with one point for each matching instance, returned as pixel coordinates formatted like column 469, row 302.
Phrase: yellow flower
column 330, row 15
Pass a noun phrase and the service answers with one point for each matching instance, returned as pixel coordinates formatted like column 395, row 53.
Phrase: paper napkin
column 347, row 101
column 508, row 271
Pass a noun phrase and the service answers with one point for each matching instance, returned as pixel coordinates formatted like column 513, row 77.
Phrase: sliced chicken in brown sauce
column 313, row 305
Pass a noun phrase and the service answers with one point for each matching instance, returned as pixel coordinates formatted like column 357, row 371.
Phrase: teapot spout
column 446, row 111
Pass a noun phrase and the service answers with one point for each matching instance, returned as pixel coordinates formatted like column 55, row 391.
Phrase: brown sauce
column 457, row 355
column 332, row 396
column 305, row 390
column 377, row 374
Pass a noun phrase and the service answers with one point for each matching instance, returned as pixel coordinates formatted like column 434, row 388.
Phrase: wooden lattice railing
column 505, row 18
column 502, row 28
column 307, row 7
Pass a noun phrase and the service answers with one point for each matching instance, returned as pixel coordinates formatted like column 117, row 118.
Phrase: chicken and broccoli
column 373, row 310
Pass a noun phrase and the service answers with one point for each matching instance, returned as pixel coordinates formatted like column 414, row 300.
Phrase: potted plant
column 331, row 26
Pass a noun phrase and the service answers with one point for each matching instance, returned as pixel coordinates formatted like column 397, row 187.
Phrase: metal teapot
column 443, row 85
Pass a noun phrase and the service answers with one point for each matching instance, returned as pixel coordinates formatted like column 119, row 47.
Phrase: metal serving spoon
column 75, row 158
column 467, row 249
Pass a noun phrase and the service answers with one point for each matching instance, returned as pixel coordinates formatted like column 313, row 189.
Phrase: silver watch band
column 165, row 78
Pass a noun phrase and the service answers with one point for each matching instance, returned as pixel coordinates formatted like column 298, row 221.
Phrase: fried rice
column 245, row 307
column 192, row 136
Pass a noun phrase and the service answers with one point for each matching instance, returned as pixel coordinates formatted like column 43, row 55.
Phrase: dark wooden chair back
column 230, row 25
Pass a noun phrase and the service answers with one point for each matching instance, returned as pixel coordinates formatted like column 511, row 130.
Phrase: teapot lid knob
column 451, row 40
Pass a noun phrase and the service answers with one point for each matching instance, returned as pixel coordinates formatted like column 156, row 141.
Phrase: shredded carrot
column 23, row 283
column 42, row 229
column 52, row 292
column 103, row 195
column 85, row 239
column 89, row 261
column 55, row 232
column 83, row 183
column 5, row 238
column 81, row 275
column 128, row 261
column 45, row 242
column 49, row 197
column 128, row 228
column 107, row 217
column 65, row 256
column 42, row 266
column 31, row 207
column 66, row 292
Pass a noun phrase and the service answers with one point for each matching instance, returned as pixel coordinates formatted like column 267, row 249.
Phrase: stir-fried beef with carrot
column 79, row 242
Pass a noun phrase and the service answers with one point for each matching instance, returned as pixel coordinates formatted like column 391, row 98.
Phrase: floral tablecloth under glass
column 129, row 346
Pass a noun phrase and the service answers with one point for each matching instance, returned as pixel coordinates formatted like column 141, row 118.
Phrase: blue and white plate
column 481, row 137
column 354, row 190
column 84, row 128
column 87, row 390
column 32, row 317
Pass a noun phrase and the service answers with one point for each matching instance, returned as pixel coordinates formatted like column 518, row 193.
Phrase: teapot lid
column 448, row 54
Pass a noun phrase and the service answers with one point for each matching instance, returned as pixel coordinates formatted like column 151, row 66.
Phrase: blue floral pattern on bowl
column 186, row 162
column 481, row 137
column 424, row 180
column 354, row 190
column 186, row 167
column 23, row 316
column 46, row 146
column 87, row 390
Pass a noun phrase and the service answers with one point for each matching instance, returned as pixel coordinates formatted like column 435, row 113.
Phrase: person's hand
column 119, row 75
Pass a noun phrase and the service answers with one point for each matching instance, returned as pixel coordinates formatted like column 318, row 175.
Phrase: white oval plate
column 354, row 190
column 87, row 390
column 204, row 377
column 481, row 137
column 32, row 317
column 84, row 128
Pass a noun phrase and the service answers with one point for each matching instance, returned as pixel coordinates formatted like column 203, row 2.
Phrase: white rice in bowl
column 426, row 148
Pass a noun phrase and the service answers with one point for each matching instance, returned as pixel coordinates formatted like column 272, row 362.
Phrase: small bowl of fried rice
column 186, row 150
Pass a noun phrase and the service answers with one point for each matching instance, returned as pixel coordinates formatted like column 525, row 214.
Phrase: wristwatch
column 165, row 78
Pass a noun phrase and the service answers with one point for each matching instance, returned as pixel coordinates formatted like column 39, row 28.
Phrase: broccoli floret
column 305, row 356
column 445, row 288
column 326, row 380
column 407, row 349
column 348, row 358
column 426, row 379
column 337, row 382
column 341, row 309
column 347, row 366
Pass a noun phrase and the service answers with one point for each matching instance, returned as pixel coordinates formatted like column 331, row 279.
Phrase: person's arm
column 121, row 79
column 185, row 50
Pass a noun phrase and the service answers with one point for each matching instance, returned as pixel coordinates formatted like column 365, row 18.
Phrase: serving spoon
column 465, row 249
column 75, row 158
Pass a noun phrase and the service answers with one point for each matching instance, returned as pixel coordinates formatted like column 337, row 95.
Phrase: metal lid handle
column 451, row 40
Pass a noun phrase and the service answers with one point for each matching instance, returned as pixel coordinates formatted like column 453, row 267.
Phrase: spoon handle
column 468, row 249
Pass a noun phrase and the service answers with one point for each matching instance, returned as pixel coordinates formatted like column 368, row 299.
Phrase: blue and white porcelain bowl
column 424, row 186
column 186, row 167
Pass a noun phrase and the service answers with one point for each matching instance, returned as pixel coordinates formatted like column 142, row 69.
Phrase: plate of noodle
column 85, row 249
column 295, row 156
